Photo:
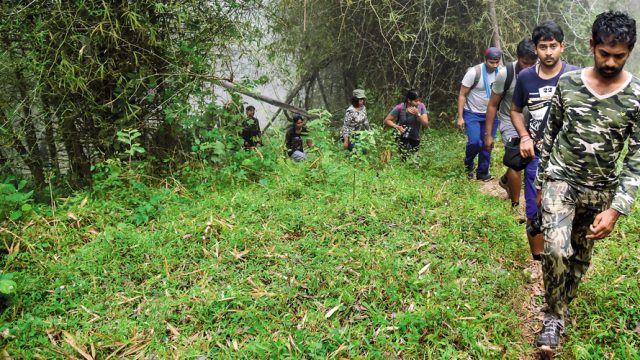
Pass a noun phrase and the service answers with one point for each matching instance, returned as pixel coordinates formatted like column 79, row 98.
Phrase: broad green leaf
column 7, row 287
column 15, row 215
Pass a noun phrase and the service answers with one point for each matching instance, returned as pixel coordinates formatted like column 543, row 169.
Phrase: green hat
column 359, row 94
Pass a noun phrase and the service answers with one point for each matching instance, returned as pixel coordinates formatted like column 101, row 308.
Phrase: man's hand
column 603, row 224
column 488, row 142
column 413, row 110
column 401, row 129
column 460, row 123
column 526, row 147
column 345, row 143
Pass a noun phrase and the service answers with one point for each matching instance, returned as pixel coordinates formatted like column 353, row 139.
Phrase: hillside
column 293, row 261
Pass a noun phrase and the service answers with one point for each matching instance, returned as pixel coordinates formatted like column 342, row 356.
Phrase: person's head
column 298, row 121
column 492, row 57
column 251, row 111
column 613, row 36
column 412, row 98
column 526, row 54
column 548, row 40
column 358, row 98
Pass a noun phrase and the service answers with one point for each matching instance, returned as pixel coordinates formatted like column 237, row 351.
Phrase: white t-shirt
column 477, row 99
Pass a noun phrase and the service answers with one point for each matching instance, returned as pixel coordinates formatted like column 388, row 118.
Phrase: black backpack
column 510, row 73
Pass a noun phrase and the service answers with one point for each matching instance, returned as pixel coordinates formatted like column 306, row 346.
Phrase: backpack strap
column 476, row 78
column 509, row 80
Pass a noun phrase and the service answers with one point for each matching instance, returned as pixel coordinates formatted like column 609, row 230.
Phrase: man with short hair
column 473, row 98
column 500, row 103
column 594, row 112
column 534, row 88
column 251, row 133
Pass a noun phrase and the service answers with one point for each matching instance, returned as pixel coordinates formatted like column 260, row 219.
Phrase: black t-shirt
column 407, row 119
column 250, row 131
column 293, row 141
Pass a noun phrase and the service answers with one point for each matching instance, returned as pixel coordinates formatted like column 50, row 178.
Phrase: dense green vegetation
column 132, row 225
column 291, row 261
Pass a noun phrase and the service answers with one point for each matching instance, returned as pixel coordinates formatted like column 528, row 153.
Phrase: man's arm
column 629, row 178
column 492, row 109
column 462, row 99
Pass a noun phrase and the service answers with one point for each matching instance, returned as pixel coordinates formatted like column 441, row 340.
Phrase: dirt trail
column 531, row 309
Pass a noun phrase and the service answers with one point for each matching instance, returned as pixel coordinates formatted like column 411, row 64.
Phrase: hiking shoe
column 549, row 337
column 486, row 177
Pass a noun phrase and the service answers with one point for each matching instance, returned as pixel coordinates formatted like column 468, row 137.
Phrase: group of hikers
column 563, row 125
column 407, row 117
column 578, row 123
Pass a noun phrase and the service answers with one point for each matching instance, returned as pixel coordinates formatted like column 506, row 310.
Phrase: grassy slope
column 293, row 266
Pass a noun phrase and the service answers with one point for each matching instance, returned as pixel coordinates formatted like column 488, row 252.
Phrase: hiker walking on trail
column 251, row 129
column 534, row 88
column 408, row 118
column 500, row 104
column 473, row 98
column 294, row 139
column 594, row 111
column 355, row 120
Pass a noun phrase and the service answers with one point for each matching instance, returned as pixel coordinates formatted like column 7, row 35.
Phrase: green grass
column 419, row 264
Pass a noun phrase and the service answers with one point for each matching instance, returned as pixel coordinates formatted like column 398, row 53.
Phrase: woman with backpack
column 408, row 118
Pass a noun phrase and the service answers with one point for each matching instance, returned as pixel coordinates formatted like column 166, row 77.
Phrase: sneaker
column 549, row 337
column 486, row 177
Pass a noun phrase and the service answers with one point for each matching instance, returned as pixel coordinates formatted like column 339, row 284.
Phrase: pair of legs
column 567, row 213
column 407, row 147
column 475, row 126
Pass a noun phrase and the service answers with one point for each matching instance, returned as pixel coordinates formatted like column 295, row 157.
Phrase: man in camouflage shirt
column 593, row 112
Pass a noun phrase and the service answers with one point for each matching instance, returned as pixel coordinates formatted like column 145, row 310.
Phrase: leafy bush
column 15, row 201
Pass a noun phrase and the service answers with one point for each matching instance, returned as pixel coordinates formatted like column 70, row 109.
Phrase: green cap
column 359, row 94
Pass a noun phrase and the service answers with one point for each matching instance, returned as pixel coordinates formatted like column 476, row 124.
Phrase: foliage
column 15, row 201
column 288, row 263
column 7, row 285
column 390, row 46
column 128, row 138
column 78, row 72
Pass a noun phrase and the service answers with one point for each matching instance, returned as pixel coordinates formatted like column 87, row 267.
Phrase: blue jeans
column 530, row 190
column 474, row 124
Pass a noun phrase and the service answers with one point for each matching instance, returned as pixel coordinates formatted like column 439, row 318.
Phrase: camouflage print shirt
column 585, row 135
column 355, row 120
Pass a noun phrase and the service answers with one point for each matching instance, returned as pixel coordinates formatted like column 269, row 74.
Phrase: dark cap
column 492, row 53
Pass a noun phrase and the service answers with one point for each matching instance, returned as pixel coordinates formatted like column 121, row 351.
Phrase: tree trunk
column 34, row 167
column 308, row 91
column 31, row 153
column 49, row 135
column 78, row 160
column 322, row 91
column 494, row 24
